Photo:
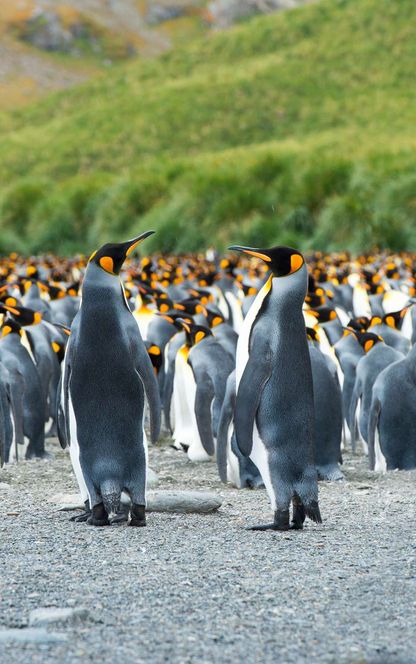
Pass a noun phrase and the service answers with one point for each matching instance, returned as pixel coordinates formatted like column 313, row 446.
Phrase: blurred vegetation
column 293, row 128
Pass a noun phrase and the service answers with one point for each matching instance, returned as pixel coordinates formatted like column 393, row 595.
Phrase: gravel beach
column 200, row 588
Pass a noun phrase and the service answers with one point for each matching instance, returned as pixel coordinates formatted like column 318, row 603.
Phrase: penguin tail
column 111, row 495
column 312, row 511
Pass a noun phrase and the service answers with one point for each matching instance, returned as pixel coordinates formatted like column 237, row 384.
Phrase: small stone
column 49, row 615
column 183, row 501
column 30, row 635
column 152, row 480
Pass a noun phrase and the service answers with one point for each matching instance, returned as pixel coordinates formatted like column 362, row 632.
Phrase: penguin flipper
column 226, row 417
column 144, row 369
column 255, row 376
column 203, row 400
column 372, row 426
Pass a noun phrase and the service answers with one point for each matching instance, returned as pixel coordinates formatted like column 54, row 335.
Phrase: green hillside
column 296, row 127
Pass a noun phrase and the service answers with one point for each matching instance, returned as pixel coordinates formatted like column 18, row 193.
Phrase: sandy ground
column 200, row 588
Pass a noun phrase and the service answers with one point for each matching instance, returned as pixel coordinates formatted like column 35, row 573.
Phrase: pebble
column 48, row 615
column 30, row 635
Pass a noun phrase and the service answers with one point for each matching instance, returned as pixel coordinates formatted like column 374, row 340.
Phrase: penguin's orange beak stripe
column 132, row 247
column 257, row 254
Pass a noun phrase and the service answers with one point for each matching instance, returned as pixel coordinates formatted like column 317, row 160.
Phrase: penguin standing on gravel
column 106, row 372
column 274, row 413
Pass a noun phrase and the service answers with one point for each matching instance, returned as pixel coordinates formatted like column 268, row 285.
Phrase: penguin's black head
column 395, row 318
column 173, row 316
column 191, row 306
column 156, row 357
column 214, row 317
column 110, row 257
column 312, row 334
column 10, row 326
column 282, row 261
column 194, row 333
column 24, row 315
column 324, row 314
column 368, row 340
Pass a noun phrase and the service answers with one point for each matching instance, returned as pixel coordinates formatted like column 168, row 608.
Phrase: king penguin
column 274, row 413
column 106, row 372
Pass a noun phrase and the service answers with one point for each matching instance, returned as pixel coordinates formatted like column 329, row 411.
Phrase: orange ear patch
column 199, row 336
column 154, row 350
column 6, row 330
column 216, row 321
column 107, row 263
column 56, row 347
column 368, row 345
column 390, row 321
column 296, row 262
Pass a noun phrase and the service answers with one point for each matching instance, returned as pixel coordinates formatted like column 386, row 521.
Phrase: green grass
column 288, row 128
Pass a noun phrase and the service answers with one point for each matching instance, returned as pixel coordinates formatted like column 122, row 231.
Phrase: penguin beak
column 184, row 324
column 251, row 252
column 132, row 244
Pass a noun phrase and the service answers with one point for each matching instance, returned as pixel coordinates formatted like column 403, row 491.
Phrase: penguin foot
column 268, row 526
column 299, row 514
column 281, row 522
column 138, row 516
column 84, row 516
column 99, row 516
column 81, row 518
column 31, row 454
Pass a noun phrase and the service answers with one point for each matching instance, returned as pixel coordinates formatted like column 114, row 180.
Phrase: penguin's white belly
column 74, row 450
column 143, row 320
column 233, row 466
column 380, row 461
column 13, row 452
column 360, row 302
column 407, row 325
column 186, row 429
column 236, row 311
column 260, row 458
column 394, row 300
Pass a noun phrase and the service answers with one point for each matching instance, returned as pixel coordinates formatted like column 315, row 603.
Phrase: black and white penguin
column 392, row 417
column 232, row 465
column 378, row 356
column 274, row 415
column 23, row 372
column 106, row 373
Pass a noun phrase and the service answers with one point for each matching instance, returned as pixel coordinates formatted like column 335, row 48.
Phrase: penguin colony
column 266, row 361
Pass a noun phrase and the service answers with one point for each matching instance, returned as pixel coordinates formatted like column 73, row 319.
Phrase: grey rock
column 226, row 12
column 48, row 615
column 152, row 480
column 30, row 635
column 183, row 501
